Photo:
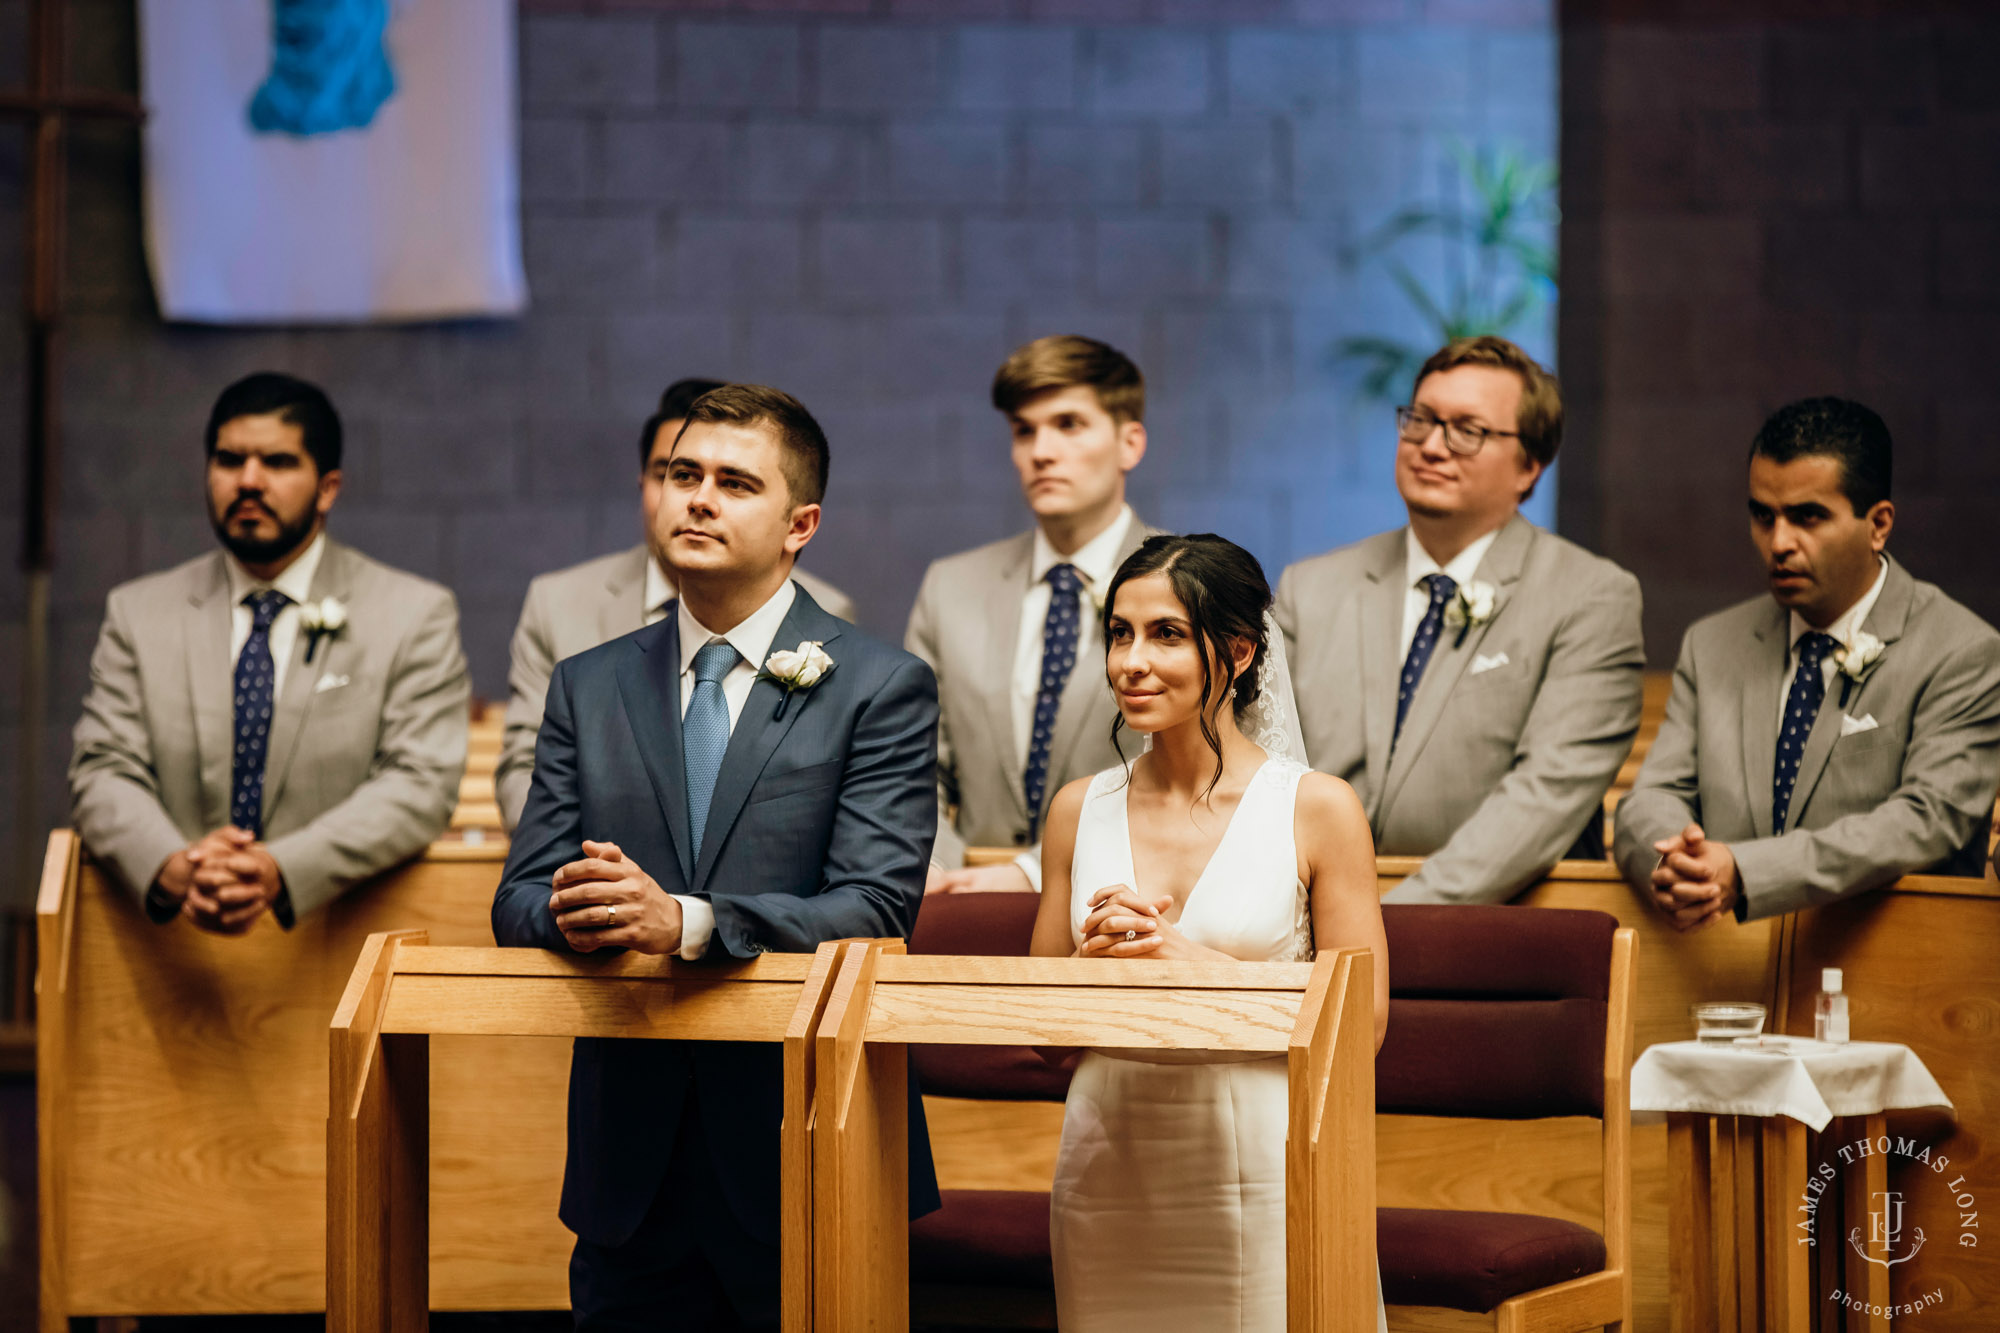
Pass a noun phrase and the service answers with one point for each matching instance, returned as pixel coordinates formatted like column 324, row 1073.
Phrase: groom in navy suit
column 685, row 801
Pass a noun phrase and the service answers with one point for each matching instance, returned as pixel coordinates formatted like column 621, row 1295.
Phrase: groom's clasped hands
column 1122, row 924
column 605, row 901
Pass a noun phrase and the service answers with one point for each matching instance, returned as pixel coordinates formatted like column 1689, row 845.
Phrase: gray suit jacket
column 967, row 625
column 367, row 741
column 1912, row 792
column 568, row 612
column 1518, row 726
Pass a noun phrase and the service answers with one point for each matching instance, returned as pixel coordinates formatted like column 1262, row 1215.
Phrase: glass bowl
column 1726, row 1020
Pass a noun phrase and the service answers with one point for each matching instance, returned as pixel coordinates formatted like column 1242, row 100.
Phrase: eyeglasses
column 1415, row 425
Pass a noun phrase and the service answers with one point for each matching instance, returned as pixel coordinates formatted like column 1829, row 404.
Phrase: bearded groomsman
column 1840, row 733
column 584, row 605
column 1474, row 678
column 1011, row 628
column 271, row 723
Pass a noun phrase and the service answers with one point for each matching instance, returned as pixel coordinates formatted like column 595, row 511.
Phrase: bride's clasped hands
column 1122, row 924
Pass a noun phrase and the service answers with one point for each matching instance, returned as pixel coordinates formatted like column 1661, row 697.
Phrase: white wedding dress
column 1168, row 1209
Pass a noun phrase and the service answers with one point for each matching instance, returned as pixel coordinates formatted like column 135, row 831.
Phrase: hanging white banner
column 322, row 161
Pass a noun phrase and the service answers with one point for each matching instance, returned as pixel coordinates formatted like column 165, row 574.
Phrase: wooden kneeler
column 402, row 992
column 1319, row 1015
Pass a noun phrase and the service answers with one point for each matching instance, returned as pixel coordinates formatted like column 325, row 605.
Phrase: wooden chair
column 1319, row 1014
column 402, row 993
column 982, row 1260
column 1511, row 1014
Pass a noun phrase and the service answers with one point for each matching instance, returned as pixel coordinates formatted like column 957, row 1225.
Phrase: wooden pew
column 403, row 994
column 1321, row 1015
column 1533, row 1166
column 182, row 1106
column 1921, row 965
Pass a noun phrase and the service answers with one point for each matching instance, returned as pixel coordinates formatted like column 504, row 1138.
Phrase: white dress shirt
column 1096, row 560
column 752, row 641
column 296, row 583
column 1841, row 631
column 1419, row 566
column 659, row 593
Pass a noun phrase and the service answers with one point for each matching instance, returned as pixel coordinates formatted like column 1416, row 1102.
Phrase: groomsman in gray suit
column 1831, row 737
column 268, row 724
column 1011, row 627
column 1474, row 678
column 584, row 605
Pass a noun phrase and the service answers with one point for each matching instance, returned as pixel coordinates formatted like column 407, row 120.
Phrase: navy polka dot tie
column 1801, row 708
column 1442, row 590
column 705, row 733
column 1060, row 632
column 256, row 678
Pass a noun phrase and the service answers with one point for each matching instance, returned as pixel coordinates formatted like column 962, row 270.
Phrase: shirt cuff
column 1029, row 863
column 697, row 925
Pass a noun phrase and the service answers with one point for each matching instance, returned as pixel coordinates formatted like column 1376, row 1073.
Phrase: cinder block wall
column 867, row 203
column 1764, row 200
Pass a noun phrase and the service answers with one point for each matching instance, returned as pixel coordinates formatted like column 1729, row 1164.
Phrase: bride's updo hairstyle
column 1226, row 595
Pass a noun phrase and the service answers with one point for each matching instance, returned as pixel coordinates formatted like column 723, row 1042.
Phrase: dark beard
column 252, row 551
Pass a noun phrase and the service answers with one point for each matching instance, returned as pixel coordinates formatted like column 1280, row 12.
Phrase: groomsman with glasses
column 1475, row 679
column 270, row 723
column 577, row 608
column 1011, row 628
column 1831, row 737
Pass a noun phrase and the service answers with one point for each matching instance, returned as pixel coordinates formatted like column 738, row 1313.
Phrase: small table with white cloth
column 1741, row 1173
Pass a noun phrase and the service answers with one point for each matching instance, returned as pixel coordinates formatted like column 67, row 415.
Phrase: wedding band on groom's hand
column 611, row 915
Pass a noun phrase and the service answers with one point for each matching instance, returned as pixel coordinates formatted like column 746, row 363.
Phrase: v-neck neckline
column 1132, row 860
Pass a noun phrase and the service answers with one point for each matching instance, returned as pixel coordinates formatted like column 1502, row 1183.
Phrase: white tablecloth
column 1810, row 1081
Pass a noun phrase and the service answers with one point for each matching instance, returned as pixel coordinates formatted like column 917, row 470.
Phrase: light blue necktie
column 256, row 676
column 1443, row 589
column 1802, row 703
column 705, row 733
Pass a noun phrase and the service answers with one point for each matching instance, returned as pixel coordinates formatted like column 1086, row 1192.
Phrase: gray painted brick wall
column 868, row 209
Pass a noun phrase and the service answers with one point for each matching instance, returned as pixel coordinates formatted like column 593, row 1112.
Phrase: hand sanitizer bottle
column 1830, row 1008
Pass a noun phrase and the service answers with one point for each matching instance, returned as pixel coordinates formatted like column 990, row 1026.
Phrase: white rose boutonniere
column 1855, row 661
column 799, row 669
column 321, row 619
column 1471, row 607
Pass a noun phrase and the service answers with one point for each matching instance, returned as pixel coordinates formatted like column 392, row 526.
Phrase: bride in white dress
column 1168, row 1208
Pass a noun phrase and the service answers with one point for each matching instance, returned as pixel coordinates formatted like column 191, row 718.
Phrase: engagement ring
column 1131, row 934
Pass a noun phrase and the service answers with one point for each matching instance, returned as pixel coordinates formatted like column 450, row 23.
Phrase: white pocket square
column 1481, row 663
column 1851, row 725
column 326, row 683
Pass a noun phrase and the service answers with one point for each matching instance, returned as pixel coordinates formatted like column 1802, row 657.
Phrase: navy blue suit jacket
column 820, row 829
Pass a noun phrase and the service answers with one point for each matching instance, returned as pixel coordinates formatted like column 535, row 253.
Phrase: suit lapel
column 1086, row 690
column 1000, row 613
column 1501, row 567
column 1886, row 620
column 295, row 698
column 624, row 606
column 211, row 689
column 1758, row 710
column 756, row 735
column 649, row 687
column 1380, row 609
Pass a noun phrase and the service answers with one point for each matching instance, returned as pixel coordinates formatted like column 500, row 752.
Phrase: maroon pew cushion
column 1474, row 1261
column 984, row 925
column 985, row 1238
column 1495, row 1011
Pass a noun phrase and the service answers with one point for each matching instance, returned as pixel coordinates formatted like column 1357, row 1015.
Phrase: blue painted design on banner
column 329, row 69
